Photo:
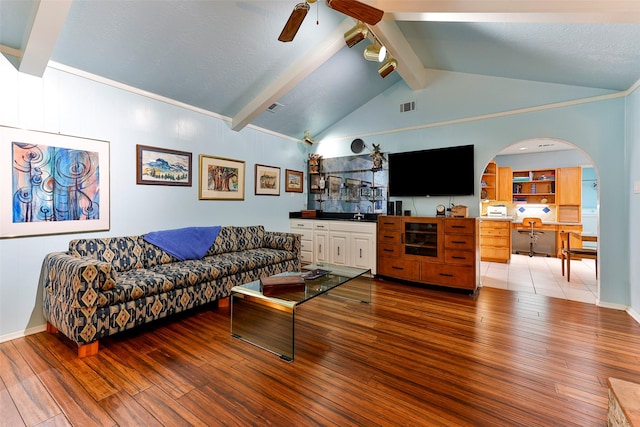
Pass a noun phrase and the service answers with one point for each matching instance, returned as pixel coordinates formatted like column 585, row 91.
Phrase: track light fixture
column 388, row 67
column 356, row 34
column 375, row 52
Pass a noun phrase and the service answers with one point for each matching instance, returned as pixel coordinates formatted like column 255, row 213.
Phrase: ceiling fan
column 353, row 8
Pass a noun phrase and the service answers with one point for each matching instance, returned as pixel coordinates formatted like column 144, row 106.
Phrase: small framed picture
column 293, row 181
column 161, row 166
column 267, row 180
column 335, row 184
column 221, row 179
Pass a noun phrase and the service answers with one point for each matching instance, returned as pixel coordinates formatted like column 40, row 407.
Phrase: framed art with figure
column 52, row 183
column 221, row 179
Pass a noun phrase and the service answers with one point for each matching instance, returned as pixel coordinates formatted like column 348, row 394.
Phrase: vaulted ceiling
column 224, row 56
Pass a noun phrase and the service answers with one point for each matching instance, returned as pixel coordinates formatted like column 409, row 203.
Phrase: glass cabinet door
column 421, row 238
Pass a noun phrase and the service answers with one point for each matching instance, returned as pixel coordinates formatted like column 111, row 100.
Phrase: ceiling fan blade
column 293, row 24
column 357, row 10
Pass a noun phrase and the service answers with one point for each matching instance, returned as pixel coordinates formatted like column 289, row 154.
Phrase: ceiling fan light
column 388, row 67
column 375, row 52
column 356, row 34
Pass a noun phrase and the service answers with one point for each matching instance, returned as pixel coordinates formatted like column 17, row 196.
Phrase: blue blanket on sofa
column 184, row 243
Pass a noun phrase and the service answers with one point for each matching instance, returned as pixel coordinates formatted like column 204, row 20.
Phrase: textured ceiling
column 224, row 57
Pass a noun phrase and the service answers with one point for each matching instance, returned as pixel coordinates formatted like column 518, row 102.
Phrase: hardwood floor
column 414, row 357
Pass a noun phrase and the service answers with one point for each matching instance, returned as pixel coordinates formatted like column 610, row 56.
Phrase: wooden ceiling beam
column 538, row 11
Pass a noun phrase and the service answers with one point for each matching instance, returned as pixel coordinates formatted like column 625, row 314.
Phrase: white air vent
column 407, row 106
column 275, row 107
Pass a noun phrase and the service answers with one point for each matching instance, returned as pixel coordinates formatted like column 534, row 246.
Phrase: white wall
column 633, row 148
column 68, row 104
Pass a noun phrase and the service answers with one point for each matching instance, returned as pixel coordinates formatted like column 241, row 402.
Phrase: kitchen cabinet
column 347, row 243
column 569, row 197
column 505, row 190
column 430, row 250
column 305, row 230
column 321, row 251
column 495, row 240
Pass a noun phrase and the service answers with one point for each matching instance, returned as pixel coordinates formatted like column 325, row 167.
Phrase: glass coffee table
column 269, row 322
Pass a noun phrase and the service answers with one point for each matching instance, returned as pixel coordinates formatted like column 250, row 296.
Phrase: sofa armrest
column 280, row 240
column 76, row 281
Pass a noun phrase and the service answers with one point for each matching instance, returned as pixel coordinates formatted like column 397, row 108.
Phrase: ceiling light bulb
column 375, row 52
column 356, row 34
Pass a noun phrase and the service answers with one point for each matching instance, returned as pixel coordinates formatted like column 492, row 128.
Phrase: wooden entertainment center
column 430, row 250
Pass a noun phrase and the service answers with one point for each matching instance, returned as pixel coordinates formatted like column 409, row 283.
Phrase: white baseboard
column 612, row 305
column 20, row 334
column 634, row 314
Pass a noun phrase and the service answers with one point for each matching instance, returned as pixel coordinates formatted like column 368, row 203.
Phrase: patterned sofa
column 102, row 286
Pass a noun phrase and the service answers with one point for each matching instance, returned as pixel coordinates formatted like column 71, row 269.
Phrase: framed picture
column 267, row 180
column 221, row 179
column 52, row 183
column 161, row 166
column 293, row 181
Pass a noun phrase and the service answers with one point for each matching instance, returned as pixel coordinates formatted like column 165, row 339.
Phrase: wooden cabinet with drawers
column 495, row 240
column 430, row 250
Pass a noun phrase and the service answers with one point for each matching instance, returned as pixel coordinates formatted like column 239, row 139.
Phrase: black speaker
column 399, row 207
column 391, row 208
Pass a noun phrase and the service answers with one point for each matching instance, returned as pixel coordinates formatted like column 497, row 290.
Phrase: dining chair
column 581, row 252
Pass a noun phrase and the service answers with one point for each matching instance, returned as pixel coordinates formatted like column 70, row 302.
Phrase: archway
column 540, row 275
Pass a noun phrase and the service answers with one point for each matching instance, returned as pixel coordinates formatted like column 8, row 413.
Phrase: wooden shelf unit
column 430, row 250
column 534, row 186
column 489, row 182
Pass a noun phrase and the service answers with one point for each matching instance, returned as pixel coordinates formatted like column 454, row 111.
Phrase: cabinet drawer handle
column 397, row 268
column 360, row 253
column 319, row 226
column 446, row 275
column 459, row 242
column 389, row 237
column 388, row 223
column 338, row 250
column 459, row 257
column 300, row 225
column 388, row 250
column 458, row 226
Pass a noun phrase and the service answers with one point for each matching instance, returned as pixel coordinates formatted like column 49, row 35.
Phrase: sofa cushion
column 227, row 241
column 124, row 253
column 251, row 237
column 156, row 256
column 135, row 284
column 190, row 272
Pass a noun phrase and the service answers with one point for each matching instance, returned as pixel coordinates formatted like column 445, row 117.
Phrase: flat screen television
column 436, row 172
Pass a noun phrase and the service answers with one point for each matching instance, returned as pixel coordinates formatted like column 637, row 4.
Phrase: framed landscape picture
column 221, row 179
column 52, row 183
column 293, row 181
column 267, row 180
column 161, row 166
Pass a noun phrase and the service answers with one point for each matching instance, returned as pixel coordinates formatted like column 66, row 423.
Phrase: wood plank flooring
column 414, row 357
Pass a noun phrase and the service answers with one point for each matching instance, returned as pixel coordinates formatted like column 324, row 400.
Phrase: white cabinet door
column 339, row 244
column 362, row 251
column 321, row 246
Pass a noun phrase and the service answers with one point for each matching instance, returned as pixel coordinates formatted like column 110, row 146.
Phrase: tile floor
column 543, row 276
